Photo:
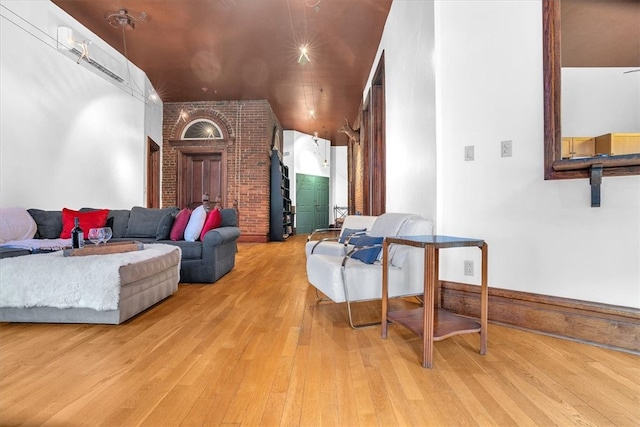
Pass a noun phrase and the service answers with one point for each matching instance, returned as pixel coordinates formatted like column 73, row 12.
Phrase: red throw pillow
column 89, row 219
column 214, row 220
column 179, row 224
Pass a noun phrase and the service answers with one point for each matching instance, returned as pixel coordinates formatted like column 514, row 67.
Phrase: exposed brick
column 247, row 128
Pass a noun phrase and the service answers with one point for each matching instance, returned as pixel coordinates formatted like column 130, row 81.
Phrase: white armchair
column 342, row 278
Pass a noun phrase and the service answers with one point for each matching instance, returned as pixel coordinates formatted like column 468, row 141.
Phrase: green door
column 312, row 202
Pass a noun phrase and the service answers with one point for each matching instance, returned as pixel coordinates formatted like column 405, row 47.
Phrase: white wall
column 408, row 45
column 302, row 155
column 68, row 137
column 339, row 180
column 596, row 101
column 543, row 236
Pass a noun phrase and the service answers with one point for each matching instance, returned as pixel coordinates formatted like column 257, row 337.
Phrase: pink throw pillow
column 179, row 224
column 214, row 220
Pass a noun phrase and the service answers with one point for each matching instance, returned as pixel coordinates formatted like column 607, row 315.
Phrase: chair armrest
column 323, row 230
column 347, row 239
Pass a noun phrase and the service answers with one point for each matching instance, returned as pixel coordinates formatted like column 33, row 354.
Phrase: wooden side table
column 431, row 321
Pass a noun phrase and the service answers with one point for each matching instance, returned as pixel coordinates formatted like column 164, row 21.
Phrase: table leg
column 484, row 300
column 436, row 268
column 385, row 288
column 430, row 278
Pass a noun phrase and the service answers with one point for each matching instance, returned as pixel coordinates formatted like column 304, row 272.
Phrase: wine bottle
column 77, row 235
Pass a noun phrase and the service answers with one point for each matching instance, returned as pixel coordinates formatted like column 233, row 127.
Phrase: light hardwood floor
column 255, row 349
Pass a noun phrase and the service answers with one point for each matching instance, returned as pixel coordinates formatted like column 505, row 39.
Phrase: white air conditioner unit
column 80, row 49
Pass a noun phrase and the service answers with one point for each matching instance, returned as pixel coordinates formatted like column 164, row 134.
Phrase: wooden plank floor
column 255, row 349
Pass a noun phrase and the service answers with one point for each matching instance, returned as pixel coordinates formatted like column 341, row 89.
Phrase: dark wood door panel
column 202, row 174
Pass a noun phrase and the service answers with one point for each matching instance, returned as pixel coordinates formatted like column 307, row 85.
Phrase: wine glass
column 96, row 235
column 108, row 233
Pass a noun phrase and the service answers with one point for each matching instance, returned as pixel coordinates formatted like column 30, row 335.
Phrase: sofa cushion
column 16, row 224
column 190, row 250
column 179, row 224
column 369, row 255
column 49, row 223
column 164, row 228
column 325, row 272
column 214, row 219
column 416, row 226
column 117, row 220
column 196, row 222
column 143, row 222
column 87, row 220
column 388, row 224
column 359, row 221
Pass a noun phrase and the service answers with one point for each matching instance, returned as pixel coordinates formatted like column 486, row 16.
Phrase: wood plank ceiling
column 600, row 33
column 205, row 50
column 199, row 50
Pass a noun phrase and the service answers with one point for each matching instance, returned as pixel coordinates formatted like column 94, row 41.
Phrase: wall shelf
column 281, row 213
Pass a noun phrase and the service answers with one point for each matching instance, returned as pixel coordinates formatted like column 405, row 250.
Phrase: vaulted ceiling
column 201, row 50
column 198, row 50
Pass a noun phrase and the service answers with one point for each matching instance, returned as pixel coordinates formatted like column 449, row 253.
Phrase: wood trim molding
column 197, row 145
column 253, row 238
column 594, row 323
column 377, row 149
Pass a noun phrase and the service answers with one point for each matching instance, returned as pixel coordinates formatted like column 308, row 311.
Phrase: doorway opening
column 200, row 172
column 312, row 203
column 153, row 174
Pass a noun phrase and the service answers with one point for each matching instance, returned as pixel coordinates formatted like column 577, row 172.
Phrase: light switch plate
column 468, row 153
column 506, row 148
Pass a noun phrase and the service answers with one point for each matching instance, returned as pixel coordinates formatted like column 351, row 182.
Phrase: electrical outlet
column 468, row 268
column 506, row 149
column 468, row 153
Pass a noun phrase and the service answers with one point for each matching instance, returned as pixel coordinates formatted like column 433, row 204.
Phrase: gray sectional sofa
column 202, row 261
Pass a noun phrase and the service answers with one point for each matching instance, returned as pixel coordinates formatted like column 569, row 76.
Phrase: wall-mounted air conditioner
column 82, row 51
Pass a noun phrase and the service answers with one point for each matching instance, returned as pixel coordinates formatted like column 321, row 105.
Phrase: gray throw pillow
column 229, row 217
column 49, row 223
column 119, row 221
column 164, row 228
column 143, row 222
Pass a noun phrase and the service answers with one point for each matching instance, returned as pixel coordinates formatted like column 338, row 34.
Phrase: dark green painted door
column 312, row 202
column 321, row 188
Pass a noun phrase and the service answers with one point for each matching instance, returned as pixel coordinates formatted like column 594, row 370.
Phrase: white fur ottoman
column 51, row 288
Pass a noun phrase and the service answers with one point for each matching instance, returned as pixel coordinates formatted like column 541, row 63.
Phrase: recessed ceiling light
column 304, row 55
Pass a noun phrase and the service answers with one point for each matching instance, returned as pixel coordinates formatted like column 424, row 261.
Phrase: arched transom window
column 202, row 129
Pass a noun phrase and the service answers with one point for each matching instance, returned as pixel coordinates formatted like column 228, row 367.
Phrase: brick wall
column 247, row 127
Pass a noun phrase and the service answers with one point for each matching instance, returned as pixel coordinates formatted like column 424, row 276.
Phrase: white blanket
column 16, row 224
column 35, row 244
column 51, row 280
